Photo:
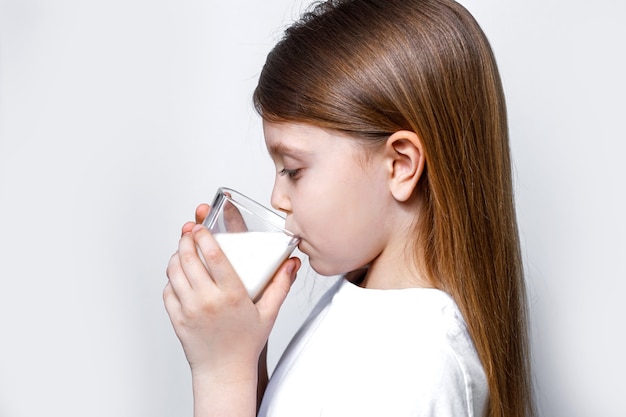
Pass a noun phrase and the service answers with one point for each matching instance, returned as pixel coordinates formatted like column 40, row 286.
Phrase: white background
column 118, row 117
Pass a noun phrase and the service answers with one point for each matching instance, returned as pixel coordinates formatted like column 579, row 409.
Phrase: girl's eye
column 290, row 173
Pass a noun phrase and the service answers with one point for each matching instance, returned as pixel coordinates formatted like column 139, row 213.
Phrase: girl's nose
column 280, row 200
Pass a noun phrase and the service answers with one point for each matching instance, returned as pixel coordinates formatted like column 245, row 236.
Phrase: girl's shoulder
column 416, row 329
column 404, row 349
column 415, row 310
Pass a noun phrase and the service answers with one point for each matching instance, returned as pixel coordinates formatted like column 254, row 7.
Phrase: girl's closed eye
column 290, row 173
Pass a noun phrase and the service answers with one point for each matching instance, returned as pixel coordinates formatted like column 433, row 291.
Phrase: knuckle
column 233, row 299
column 178, row 321
column 213, row 255
column 194, row 313
column 171, row 265
column 230, row 299
column 167, row 292
column 173, row 259
column 187, row 257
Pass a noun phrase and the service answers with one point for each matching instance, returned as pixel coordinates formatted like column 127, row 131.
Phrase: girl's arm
column 222, row 331
column 233, row 395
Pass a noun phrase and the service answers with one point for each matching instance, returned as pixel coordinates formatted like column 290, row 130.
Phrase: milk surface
column 255, row 256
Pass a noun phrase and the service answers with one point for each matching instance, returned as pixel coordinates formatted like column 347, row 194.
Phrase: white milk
column 255, row 256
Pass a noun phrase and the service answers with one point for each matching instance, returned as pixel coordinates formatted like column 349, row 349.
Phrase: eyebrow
column 286, row 150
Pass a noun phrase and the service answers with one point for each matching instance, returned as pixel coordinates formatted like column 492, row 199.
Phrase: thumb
column 276, row 292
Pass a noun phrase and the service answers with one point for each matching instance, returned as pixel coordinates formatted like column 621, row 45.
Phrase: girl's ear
column 405, row 160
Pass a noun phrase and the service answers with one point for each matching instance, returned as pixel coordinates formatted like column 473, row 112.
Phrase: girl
column 386, row 122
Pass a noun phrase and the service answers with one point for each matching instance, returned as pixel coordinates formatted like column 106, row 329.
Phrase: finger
column 233, row 220
column 277, row 290
column 187, row 228
column 217, row 264
column 191, row 265
column 171, row 301
column 201, row 212
column 178, row 281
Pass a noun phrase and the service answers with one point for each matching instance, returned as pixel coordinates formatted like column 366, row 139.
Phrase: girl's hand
column 222, row 331
column 210, row 309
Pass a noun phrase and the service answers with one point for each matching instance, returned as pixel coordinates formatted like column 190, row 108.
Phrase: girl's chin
column 317, row 262
column 322, row 268
column 301, row 247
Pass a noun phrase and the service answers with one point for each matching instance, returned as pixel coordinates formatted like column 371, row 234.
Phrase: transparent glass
column 252, row 237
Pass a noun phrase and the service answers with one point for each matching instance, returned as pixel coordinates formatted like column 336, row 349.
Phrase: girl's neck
column 396, row 266
column 392, row 269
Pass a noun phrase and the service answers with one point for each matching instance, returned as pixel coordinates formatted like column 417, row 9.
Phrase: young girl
column 386, row 122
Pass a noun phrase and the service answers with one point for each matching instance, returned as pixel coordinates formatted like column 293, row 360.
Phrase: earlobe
column 405, row 161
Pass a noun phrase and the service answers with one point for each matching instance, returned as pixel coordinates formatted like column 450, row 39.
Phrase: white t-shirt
column 365, row 352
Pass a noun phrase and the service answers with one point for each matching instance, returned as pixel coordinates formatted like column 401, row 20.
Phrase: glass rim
column 256, row 209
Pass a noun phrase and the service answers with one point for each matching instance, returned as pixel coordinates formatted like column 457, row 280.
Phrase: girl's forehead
column 292, row 138
column 288, row 128
column 292, row 132
column 304, row 141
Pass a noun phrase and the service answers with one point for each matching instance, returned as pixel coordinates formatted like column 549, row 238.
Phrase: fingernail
column 291, row 270
column 197, row 227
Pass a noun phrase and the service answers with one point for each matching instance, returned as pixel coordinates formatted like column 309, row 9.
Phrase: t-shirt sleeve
column 437, row 384
column 448, row 385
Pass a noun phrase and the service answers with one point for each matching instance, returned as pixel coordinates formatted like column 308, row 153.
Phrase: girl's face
column 335, row 196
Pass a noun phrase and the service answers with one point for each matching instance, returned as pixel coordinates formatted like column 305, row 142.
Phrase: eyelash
column 290, row 173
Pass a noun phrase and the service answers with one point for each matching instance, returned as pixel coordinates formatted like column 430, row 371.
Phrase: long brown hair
column 372, row 67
